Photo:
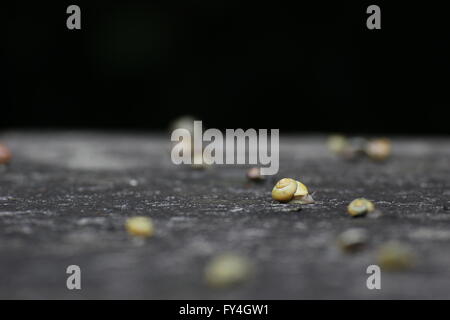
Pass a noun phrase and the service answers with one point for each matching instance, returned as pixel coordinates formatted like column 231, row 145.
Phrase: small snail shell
column 254, row 174
column 337, row 144
column 352, row 239
column 395, row 256
column 360, row 207
column 379, row 149
column 227, row 269
column 5, row 154
column 284, row 190
column 140, row 226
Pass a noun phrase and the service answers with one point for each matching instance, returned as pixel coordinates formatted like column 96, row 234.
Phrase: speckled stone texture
column 66, row 195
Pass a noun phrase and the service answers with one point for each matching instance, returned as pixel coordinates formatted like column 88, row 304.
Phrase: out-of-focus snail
column 360, row 206
column 5, row 154
column 379, row 149
column 227, row 269
column 140, row 226
column 254, row 174
column 394, row 256
column 352, row 240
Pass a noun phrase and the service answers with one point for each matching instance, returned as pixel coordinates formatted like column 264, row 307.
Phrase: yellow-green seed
column 140, row 226
column 394, row 256
column 359, row 207
column 226, row 270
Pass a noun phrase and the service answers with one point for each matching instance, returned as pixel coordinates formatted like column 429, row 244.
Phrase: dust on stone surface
column 66, row 195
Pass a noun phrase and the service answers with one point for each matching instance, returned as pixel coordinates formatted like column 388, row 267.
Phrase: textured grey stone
column 65, row 198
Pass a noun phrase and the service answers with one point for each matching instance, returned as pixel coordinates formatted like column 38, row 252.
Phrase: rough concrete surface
column 66, row 195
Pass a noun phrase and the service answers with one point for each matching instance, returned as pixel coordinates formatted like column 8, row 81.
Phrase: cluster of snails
column 292, row 191
column 378, row 149
column 288, row 190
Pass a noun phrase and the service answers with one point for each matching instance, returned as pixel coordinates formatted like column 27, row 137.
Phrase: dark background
column 297, row 67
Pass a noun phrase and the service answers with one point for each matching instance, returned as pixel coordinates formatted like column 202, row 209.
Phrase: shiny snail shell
column 360, row 206
column 284, row 190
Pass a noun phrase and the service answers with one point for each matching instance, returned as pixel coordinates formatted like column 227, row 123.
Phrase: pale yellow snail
column 228, row 269
column 360, row 206
column 290, row 190
column 140, row 226
column 395, row 256
column 337, row 144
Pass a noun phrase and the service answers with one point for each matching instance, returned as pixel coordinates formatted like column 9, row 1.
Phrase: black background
column 296, row 66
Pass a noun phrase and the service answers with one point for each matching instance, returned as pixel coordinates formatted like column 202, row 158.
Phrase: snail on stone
column 360, row 207
column 140, row 226
column 290, row 190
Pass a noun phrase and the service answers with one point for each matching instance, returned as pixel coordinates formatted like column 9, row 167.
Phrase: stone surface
column 66, row 195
